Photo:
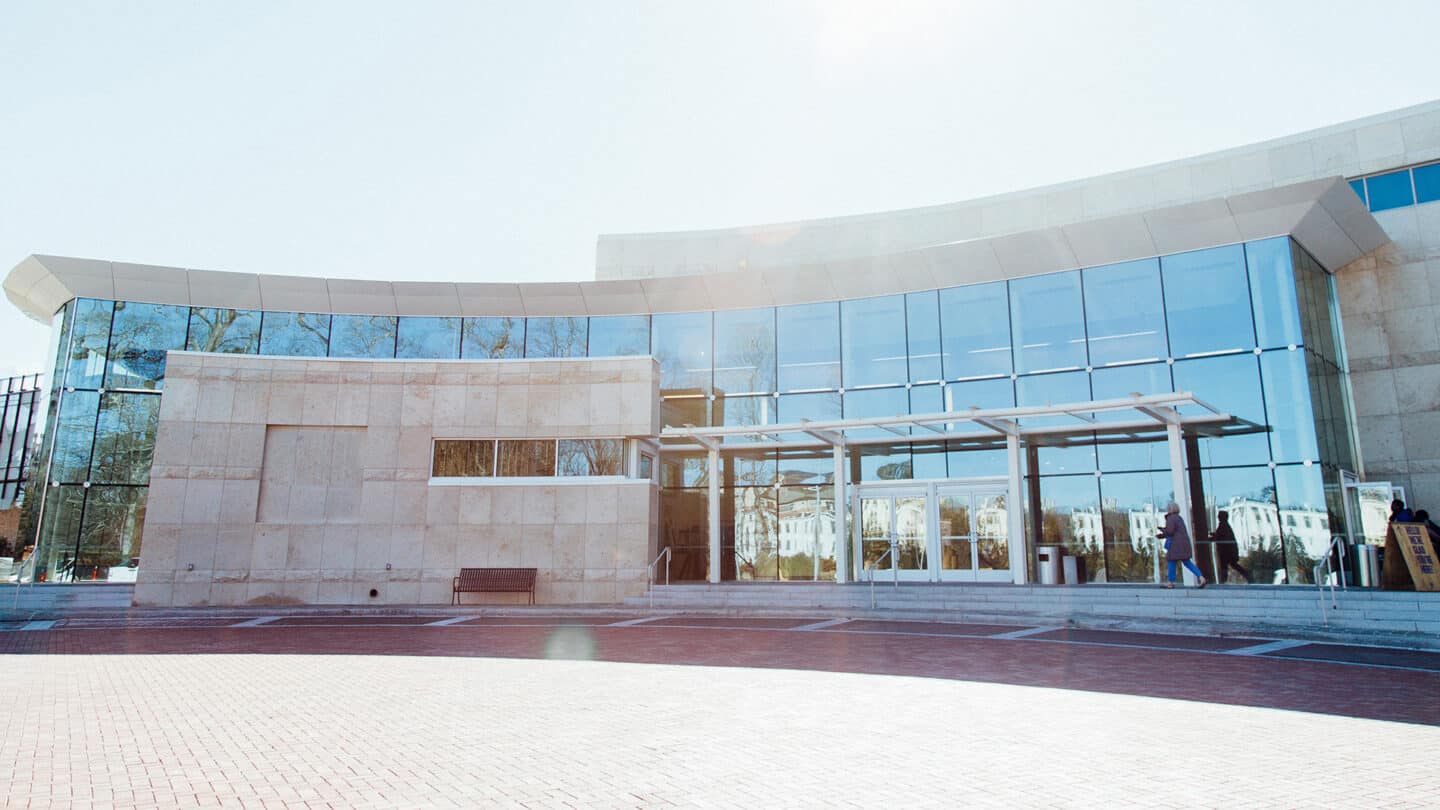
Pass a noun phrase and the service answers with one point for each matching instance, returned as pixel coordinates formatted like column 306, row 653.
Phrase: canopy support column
column 1015, row 514
column 842, row 513
column 713, row 510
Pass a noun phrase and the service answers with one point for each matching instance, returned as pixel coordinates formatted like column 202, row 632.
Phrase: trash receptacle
column 1367, row 559
column 1048, row 564
column 1074, row 570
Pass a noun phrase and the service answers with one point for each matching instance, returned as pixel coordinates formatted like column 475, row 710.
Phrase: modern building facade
column 19, row 406
column 934, row 393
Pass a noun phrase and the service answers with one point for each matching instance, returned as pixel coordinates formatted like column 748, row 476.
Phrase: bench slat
column 494, row 580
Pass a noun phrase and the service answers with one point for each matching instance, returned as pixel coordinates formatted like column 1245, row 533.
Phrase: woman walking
column 1177, row 545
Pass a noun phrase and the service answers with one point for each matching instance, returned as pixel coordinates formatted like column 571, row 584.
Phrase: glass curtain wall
column 1249, row 328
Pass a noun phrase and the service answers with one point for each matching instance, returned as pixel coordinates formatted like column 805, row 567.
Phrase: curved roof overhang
column 1324, row 216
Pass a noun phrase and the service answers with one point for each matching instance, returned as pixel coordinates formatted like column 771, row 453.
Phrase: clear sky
column 465, row 140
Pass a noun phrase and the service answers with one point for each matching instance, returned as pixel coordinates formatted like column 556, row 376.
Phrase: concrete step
column 46, row 596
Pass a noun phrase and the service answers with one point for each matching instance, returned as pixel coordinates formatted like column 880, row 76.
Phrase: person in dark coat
column 1227, row 549
column 1177, row 545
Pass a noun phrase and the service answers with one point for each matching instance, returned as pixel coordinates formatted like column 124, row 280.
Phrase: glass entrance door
column 894, row 534
column 973, row 534
column 933, row 532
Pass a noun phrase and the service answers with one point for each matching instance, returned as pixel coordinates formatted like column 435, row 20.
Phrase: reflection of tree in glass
column 224, row 330
column 363, row 336
column 494, row 338
column 142, row 333
column 110, row 534
column 592, row 456
column 749, row 359
column 88, row 344
column 555, row 337
column 125, row 439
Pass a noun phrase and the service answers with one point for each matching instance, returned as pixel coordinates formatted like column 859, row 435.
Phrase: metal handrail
column 875, row 563
column 650, row 573
column 1337, row 547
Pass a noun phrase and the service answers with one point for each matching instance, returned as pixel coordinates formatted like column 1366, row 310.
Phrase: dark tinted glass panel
column 60, row 532
column 1207, row 301
column 1248, row 494
column 682, row 347
column 1287, row 402
column 89, row 341
column 922, row 326
column 1318, row 306
column 139, row 338
column 736, row 411
column 685, row 530
column 1272, row 292
column 872, row 341
column 232, row 331
column 1389, row 190
column 492, row 338
column 1074, row 452
column 526, row 457
column 555, row 337
column 1070, row 518
column 808, row 346
column 371, row 336
column 1358, row 186
column 1232, row 384
column 294, row 334
column 463, row 458
column 428, row 338
column 975, row 325
column 688, row 410
column 1133, row 506
column 1048, row 321
column 71, row 460
column 592, row 457
column 1304, row 519
column 125, row 438
column 1427, row 183
column 1124, row 313
column 110, row 533
column 815, row 407
column 748, row 469
column 745, row 351
column 620, row 336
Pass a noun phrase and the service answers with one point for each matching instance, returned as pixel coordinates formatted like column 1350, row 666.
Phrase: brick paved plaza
column 317, row 712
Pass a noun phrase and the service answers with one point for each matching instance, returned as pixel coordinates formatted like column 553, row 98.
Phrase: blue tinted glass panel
column 735, row 411
column 371, row 336
column 1122, row 313
column 808, row 346
column 682, row 346
column 1048, row 321
column 975, row 326
column 815, row 407
column 1358, row 186
column 1287, row 401
column 927, row 399
column 294, row 334
column 1304, row 520
column 492, row 338
column 231, row 331
column 1232, row 384
column 967, row 459
column 1058, row 455
column 139, row 338
column 555, row 337
column 1207, row 301
column 881, row 463
column 428, row 338
column 73, row 441
column 922, row 325
column 927, row 460
column 872, row 341
column 1146, row 451
column 620, row 336
column 89, row 341
column 875, row 402
column 1389, row 190
column 1272, row 293
column 1427, row 182
column 745, row 351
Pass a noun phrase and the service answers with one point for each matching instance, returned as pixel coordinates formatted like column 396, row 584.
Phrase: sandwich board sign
column 1419, row 555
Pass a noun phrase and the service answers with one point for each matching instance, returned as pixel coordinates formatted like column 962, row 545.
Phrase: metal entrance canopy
column 1140, row 413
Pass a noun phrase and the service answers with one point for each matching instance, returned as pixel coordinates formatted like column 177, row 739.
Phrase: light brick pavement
column 513, row 721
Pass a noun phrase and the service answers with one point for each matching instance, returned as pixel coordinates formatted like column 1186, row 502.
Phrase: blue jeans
column 1194, row 569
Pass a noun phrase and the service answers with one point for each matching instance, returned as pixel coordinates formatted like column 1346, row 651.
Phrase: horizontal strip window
column 1399, row 188
column 528, row 458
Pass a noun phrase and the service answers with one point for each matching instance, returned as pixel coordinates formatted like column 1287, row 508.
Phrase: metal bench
column 493, row 580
